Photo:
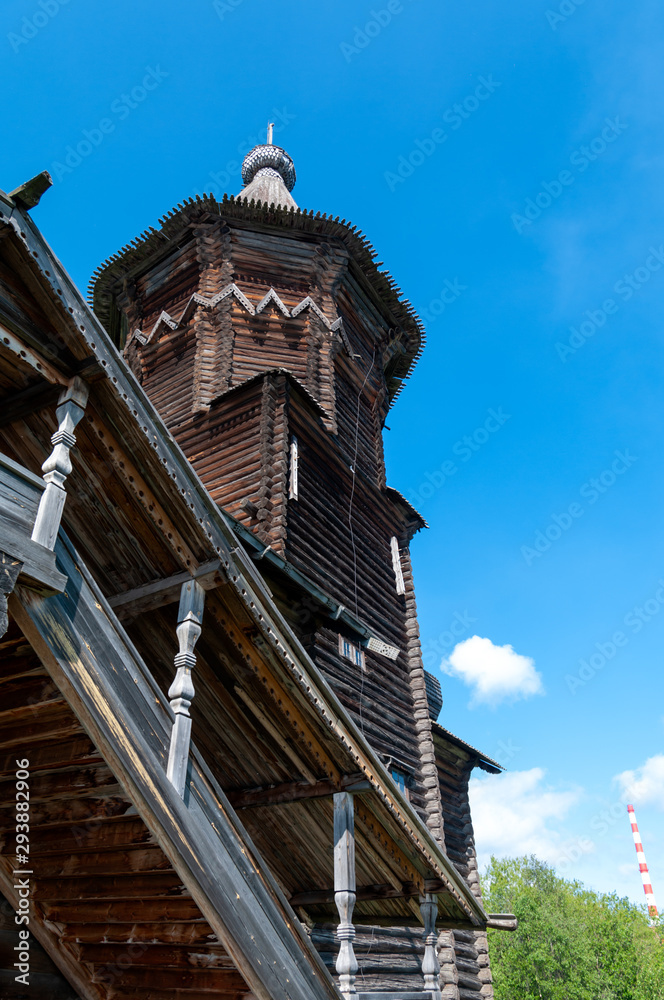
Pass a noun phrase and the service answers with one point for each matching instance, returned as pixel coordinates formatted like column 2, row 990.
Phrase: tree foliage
column 571, row 943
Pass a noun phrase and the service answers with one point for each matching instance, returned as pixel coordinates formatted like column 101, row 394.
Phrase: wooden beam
column 183, row 933
column 39, row 569
column 287, row 747
column 20, row 351
column 158, row 593
column 295, row 791
column 31, row 400
column 366, row 893
column 118, row 457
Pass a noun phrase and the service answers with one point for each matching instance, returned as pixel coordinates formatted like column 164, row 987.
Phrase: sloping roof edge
column 483, row 761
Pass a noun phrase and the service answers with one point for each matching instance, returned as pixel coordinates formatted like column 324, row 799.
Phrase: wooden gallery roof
column 252, row 840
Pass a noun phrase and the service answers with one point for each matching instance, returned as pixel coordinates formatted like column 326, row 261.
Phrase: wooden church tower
column 272, row 345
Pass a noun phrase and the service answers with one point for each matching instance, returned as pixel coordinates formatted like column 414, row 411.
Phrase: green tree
column 571, row 943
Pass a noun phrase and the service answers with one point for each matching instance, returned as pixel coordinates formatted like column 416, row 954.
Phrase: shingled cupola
column 268, row 174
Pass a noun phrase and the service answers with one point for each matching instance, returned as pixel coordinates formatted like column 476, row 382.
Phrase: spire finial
column 270, row 158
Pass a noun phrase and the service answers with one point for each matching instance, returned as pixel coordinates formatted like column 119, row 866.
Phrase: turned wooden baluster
column 181, row 691
column 430, row 963
column 57, row 466
column 345, row 890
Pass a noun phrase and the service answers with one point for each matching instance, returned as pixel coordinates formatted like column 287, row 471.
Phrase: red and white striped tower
column 643, row 867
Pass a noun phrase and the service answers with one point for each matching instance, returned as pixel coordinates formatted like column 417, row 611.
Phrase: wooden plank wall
column 46, row 982
column 232, row 428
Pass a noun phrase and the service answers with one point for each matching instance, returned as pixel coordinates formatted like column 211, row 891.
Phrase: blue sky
column 533, row 209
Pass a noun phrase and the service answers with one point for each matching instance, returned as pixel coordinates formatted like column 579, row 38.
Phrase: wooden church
column 221, row 770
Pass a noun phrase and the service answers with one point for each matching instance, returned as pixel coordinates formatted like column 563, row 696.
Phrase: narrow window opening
column 401, row 781
column 350, row 651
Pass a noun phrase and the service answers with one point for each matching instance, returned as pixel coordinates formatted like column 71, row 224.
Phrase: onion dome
column 268, row 174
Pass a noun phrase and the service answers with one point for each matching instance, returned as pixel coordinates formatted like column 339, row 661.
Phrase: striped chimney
column 643, row 867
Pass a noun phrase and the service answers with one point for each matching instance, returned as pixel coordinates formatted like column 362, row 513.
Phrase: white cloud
column 512, row 815
column 644, row 785
column 496, row 673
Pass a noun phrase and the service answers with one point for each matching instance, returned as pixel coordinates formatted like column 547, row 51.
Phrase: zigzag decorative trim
column 196, row 300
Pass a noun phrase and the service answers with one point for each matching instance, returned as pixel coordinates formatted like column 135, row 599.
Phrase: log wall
column 466, row 966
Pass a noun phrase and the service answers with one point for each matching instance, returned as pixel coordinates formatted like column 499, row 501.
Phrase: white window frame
column 396, row 565
column 293, row 482
column 352, row 651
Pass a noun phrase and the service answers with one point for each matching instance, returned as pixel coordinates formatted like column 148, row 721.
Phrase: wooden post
column 181, row 691
column 57, row 466
column 430, row 963
column 345, row 889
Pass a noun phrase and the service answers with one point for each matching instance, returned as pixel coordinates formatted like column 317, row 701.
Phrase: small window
column 396, row 565
column 350, row 651
column 400, row 781
column 294, row 470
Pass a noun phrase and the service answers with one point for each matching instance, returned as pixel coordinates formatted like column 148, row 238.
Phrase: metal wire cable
column 350, row 523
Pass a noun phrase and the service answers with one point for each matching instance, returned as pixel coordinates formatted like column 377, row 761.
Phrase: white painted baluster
column 57, row 466
column 181, row 691
column 430, row 963
column 345, row 889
